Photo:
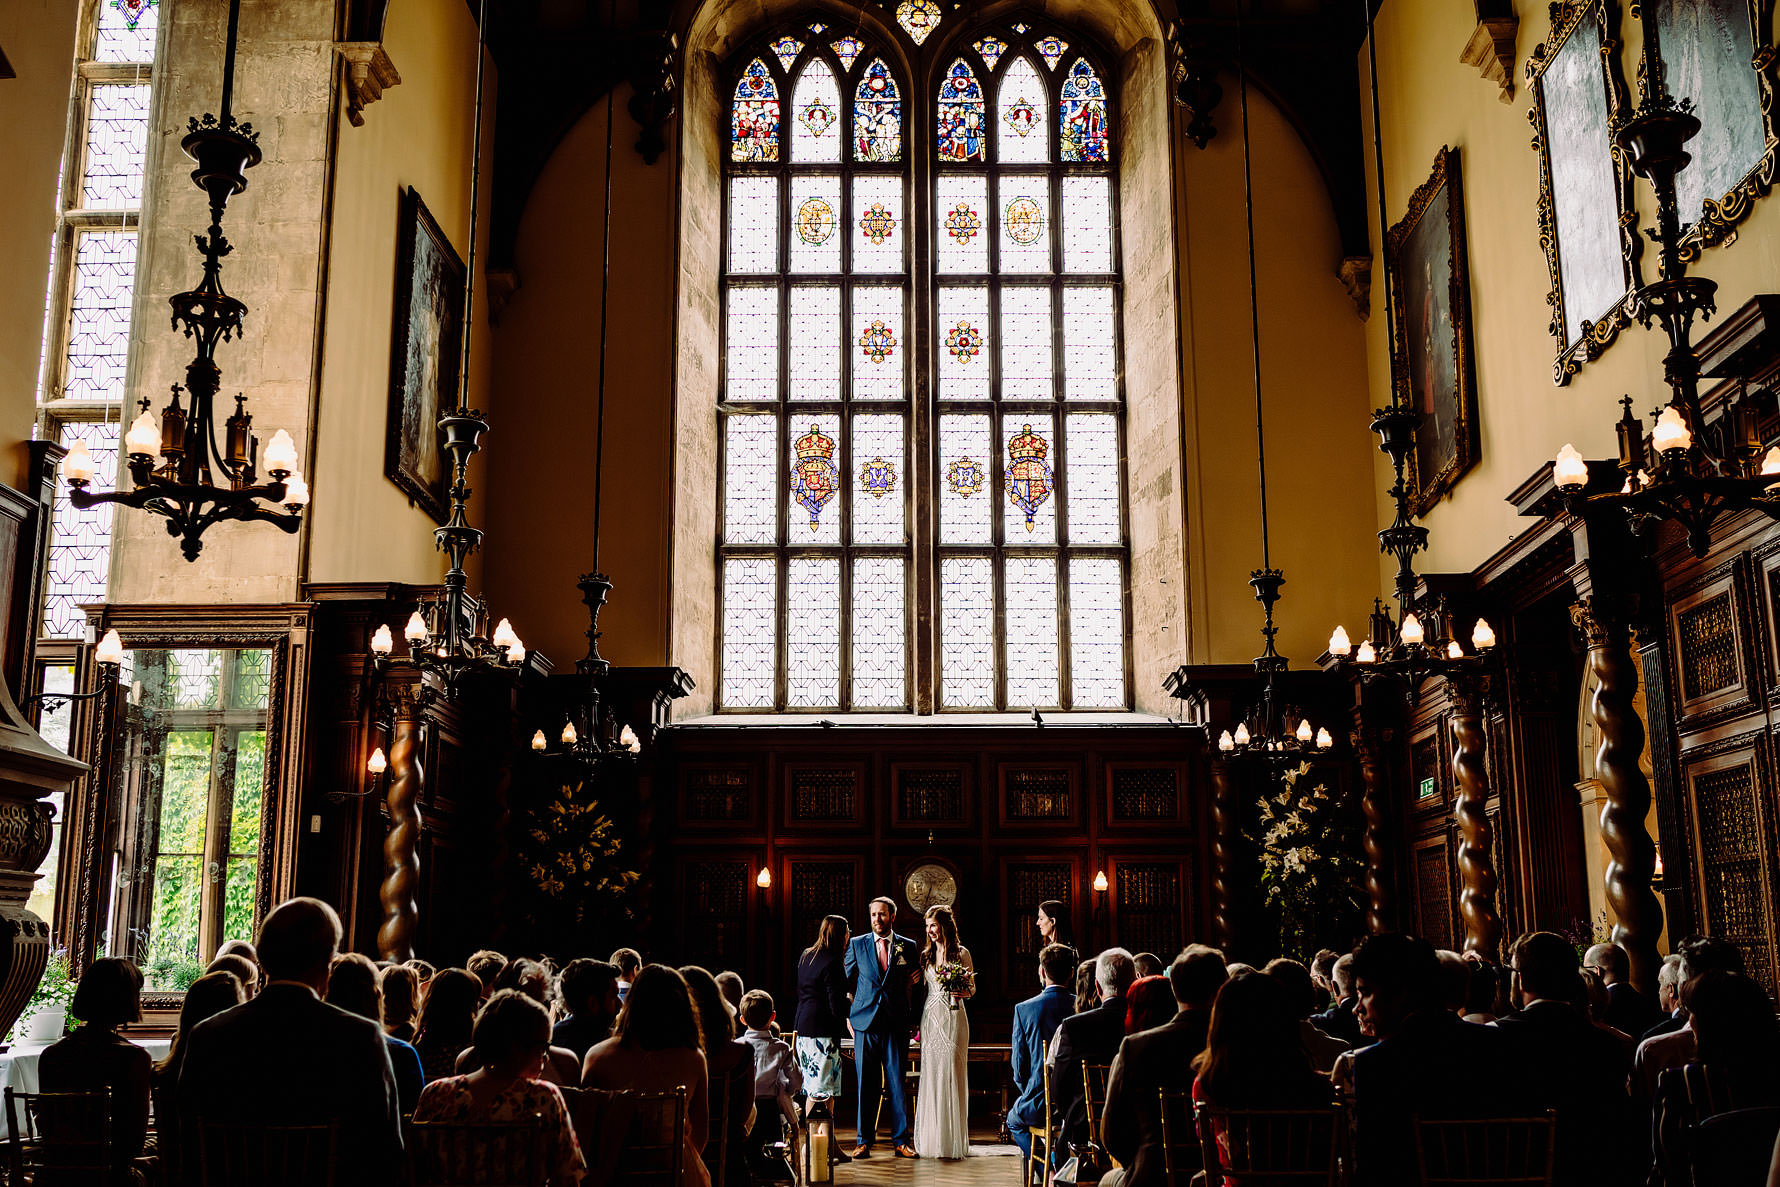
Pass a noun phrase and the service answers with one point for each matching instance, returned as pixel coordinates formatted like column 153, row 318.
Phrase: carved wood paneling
column 714, row 916
column 1151, row 900
column 1433, row 893
column 1707, row 628
column 718, row 796
column 1736, row 890
column 1025, row 884
column 1144, row 794
column 1040, row 794
column 818, row 887
column 826, row 794
column 1428, row 773
column 930, row 796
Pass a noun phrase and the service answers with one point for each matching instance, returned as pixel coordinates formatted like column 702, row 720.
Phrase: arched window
column 922, row 437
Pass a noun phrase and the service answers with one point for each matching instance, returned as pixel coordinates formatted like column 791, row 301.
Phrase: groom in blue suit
column 883, row 968
column 1035, row 1020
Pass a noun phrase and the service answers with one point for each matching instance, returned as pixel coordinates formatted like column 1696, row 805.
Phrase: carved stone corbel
column 1194, row 71
column 653, row 101
column 1477, row 871
column 367, row 73
column 1355, row 274
column 1491, row 48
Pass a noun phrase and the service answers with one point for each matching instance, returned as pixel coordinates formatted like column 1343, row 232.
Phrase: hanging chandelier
column 174, row 466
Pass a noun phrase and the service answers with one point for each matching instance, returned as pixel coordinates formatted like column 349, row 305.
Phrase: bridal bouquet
column 955, row 980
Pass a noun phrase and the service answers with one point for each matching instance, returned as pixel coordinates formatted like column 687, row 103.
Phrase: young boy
column 777, row 1079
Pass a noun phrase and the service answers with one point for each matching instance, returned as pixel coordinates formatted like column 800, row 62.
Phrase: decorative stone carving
column 653, row 100
column 1355, row 273
column 367, row 73
column 1491, row 48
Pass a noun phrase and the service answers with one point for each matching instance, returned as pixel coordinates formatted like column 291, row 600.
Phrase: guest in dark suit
column 884, row 969
column 288, row 1057
column 1627, row 1009
column 1736, row 1066
column 1089, row 1037
column 96, row 1057
column 590, row 991
column 1668, row 998
column 1035, row 1020
column 1341, row 1021
column 353, row 986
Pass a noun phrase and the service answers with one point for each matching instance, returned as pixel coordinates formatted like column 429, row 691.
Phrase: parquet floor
column 990, row 1165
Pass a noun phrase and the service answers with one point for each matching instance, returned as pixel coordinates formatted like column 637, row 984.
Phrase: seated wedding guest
column 1480, row 993
column 95, row 1057
column 1035, row 1020
column 1294, row 978
column 1425, row 1061
column 628, row 962
column 1148, row 1003
column 353, row 986
column 1322, row 966
column 245, row 950
column 1090, row 1037
column 655, row 1048
column 287, row 1056
column 1627, row 1009
column 1668, row 998
column 208, row 996
column 447, row 1016
column 1087, row 993
column 1699, row 955
column 821, row 1017
column 401, row 1001
column 1736, row 1066
column 531, row 978
column 511, row 1037
column 243, row 969
column 1053, row 924
column 1147, row 964
column 776, row 1080
column 1342, row 1020
column 733, row 992
column 725, row 1062
column 590, row 993
column 423, row 971
column 487, row 965
column 1562, row 1060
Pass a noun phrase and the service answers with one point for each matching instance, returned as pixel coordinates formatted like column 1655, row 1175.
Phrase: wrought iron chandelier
column 173, row 465
column 1693, row 473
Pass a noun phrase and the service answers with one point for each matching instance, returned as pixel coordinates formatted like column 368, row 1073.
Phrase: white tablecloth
column 18, row 1068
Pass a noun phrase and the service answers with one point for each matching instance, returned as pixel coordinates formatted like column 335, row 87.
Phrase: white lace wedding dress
column 942, row 1127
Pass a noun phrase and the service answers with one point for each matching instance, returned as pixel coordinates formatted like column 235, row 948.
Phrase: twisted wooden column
column 1224, row 829
column 1631, row 865
column 1380, row 910
column 401, row 845
column 1477, row 871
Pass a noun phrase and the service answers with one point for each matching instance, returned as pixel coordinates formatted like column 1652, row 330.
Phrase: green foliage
column 1584, row 934
column 54, row 991
column 574, row 859
column 1307, row 844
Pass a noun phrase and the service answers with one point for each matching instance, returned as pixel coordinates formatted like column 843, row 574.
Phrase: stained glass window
column 918, row 18
column 877, row 115
column 126, row 30
column 80, row 544
column 1020, row 114
column 1081, row 116
column 991, row 48
column 754, row 122
column 815, row 135
column 117, row 137
column 960, row 126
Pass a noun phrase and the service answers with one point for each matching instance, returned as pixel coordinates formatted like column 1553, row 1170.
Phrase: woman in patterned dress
column 821, row 1018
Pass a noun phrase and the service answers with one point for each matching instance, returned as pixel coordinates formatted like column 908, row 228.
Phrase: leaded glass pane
column 1093, row 478
column 1090, row 355
column 880, row 468
column 815, row 218
column 193, row 678
column 751, row 339
column 962, row 115
column 1096, row 630
column 967, row 632
column 878, row 344
column 753, row 224
column 960, row 213
column 813, row 632
column 117, row 137
column 1028, row 445
column 99, row 319
column 965, row 499
column 1031, row 598
column 964, row 351
column 253, row 679
column 80, row 543
column 877, row 115
column 816, row 466
column 750, row 616
column 1025, row 224
column 919, row 18
column 1050, row 49
column 991, row 48
column 1022, row 131
column 1087, row 224
column 847, row 49
column 754, row 118
column 880, row 224
column 1026, row 344
column 814, row 370
column 750, row 481
column 127, row 30
column 1081, row 115
column 816, row 116
column 880, row 644
column 786, row 50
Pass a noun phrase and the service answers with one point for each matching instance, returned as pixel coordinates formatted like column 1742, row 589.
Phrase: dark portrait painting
column 1431, row 361
column 429, row 304
column 1708, row 51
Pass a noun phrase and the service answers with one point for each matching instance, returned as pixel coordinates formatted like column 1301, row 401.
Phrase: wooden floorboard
column 991, row 1164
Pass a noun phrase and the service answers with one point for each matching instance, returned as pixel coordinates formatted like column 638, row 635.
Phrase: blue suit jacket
column 1035, row 1020
column 880, row 997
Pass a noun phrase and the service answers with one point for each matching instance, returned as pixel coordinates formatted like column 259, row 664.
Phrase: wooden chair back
column 1181, row 1158
column 267, row 1155
column 1271, row 1147
column 633, row 1138
column 1735, row 1146
column 60, row 1139
column 1500, row 1151
column 1094, row 1095
column 719, row 1102
column 1038, row 1166
column 464, row 1154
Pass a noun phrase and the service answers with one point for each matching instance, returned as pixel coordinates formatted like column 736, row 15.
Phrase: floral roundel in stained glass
column 964, row 341
column 878, row 341
column 1028, row 477
column 963, row 223
column 919, row 18
column 813, row 479
column 815, row 221
column 816, row 117
column 1021, row 116
column 132, row 10
column 787, row 49
column 846, row 49
column 965, row 477
column 877, row 477
column 1051, row 48
column 1025, row 221
column 877, row 223
column 991, row 48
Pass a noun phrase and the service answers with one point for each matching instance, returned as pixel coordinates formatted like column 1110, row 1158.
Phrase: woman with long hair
column 447, row 1020
column 208, row 996
column 1149, row 1003
column 1254, row 1055
column 724, row 1064
column 1087, row 989
column 942, row 1127
column 401, row 1001
column 821, row 1016
column 1053, row 923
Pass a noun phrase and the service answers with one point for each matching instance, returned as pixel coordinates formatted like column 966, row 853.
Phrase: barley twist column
column 1477, row 872
column 1223, row 854
column 401, row 846
column 1380, row 910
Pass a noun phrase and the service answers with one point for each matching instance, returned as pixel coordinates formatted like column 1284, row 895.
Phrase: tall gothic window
column 922, row 501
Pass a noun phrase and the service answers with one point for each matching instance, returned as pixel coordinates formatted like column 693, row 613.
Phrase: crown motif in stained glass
column 918, row 18
column 1050, row 49
column 813, row 478
column 1021, row 116
column 877, row 223
column 132, row 11
column 816, row 117
column 1081, row 114
column 1025, row 221
column 877, row 477
column 1028, row 477
column 754, row 120
column 991, row 48
column 846, row 49
column 878, row 341
column 815, row 221
column 787, row 49
column 963, row 223
column 965, row 477
column 964, row 341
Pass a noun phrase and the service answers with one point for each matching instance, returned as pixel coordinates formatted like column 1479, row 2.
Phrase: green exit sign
column 1430, row 788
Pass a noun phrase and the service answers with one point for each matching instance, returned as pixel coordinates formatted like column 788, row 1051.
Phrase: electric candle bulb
column 1482, row 636
column 503, row 634
column 1671, row 432
column 78, row 465
column 1100, row 881
column 1570, row 472
column 144, row 437
column 1324, row 739
column 1366, row 654
column 415, row 631
column 764, row 879
column 1412, row 629
column 1770, row 462
column 378, row 763
column 280, row 455
column 1225, row 742
column 296, row 491
column 382, row 642
column 627, row 738
column 110, row 649
column 516, row 653
column 569, row 735
column 1304, row 730
column 1339, row 643
column 1241, row 734
column 538, row 742
column 1453, row 650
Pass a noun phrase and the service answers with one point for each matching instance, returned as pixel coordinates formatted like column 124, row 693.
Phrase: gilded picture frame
column 425, row 340
column 1588, row 222
column 1431, row 362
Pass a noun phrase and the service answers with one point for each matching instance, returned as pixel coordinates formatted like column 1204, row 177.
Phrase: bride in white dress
column 942, row 1127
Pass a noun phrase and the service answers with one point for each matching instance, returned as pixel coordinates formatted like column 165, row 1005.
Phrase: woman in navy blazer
column 822, row 1006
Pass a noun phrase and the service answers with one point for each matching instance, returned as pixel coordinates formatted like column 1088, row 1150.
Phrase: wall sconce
column 1099, row 899
column 764, row 879
column 109, row 655
column 377, row 763
column 1100, row 882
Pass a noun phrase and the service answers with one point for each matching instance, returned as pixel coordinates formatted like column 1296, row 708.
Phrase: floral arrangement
column 1584, row 934
column 575, row 857
column 1307, row 843
column 955, row 980
column 54, row 991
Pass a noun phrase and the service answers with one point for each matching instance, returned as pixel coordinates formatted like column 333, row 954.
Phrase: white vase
column 47, row 1025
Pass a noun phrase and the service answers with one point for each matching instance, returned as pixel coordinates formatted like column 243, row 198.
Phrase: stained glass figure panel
column 847, row 49
column 966, row 465
column 754, row 116
column 816, row 116
column 991, row 48
column 1030, row 595
column 1026, row 344
column 1090, row 345
column 1081, row 115
column 878, row 344
column 813, row 632
column 816, row 463
column 751, row 338
column 1029, row 479
column 813, row 366
column 1025, row 224
column 880, row 224
column 750, row 620
column 961, row 205
column 116, row 139
column 877, row 115
column 815, row 237
column 1022, row 126
column 1093, row 478
column 918, row 18
column 967, row 632
column 963, row 115
column 753, row 224
column 80, row 541
column 1096, row 629
column 1087, row 223
column 880, row 633
column 750, row 480
column 99, row 316
column 879, row 475
column 963, row 330
column 126, row 31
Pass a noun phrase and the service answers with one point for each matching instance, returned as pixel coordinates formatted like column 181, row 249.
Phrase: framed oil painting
column 1431, row 358
column 1709, row 50
column 1587, row 221
column 425, row 342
